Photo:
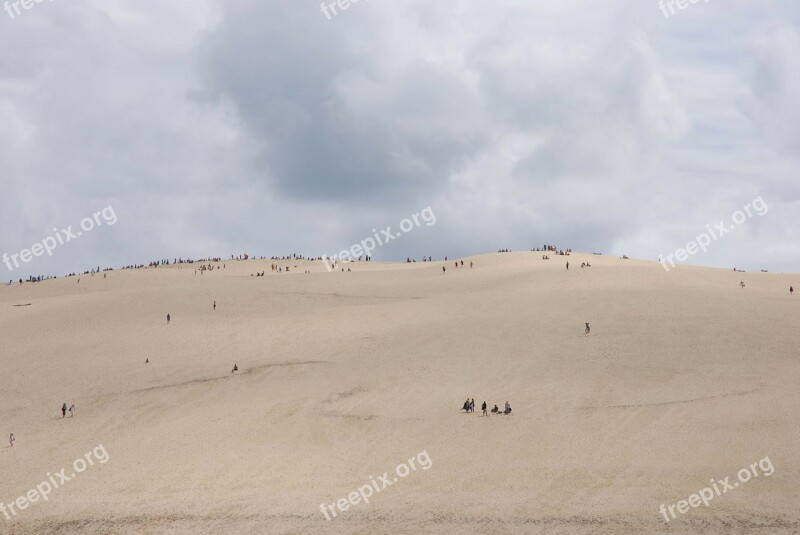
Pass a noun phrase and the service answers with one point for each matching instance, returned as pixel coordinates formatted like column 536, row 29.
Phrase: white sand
column 684, row 378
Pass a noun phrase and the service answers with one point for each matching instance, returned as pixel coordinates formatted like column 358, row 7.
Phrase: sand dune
column 342, row 376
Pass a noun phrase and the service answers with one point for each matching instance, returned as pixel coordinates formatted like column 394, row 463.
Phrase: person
column 567, row 265
column 72, row 411
column 235, row 368
column 462, row 263
column 791, row 290
column 147, row 361
column 588, row 330
column 466, row 406
column 483, row 408
column 167, row 319
column 64, row 410
column 742, row 284
column 470, row 265
column 507, row 409
column 443, row 269
column 496, row 410
column 11, row 440
column 215, row 305
column 472, row 405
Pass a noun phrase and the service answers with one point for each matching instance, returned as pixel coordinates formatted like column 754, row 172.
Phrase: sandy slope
column 343, row 376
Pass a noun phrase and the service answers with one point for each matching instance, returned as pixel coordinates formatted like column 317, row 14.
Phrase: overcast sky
column 268, row 127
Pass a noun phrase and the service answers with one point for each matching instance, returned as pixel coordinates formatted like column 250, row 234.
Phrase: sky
column 203, row 128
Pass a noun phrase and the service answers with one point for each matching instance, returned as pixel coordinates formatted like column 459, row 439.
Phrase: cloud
column 265, row 127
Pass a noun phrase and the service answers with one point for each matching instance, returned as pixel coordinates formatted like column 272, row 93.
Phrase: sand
column 342, row 376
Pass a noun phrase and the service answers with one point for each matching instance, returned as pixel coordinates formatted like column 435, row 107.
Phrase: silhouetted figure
column 588, row 330
column 168, row 319
column 235, row 368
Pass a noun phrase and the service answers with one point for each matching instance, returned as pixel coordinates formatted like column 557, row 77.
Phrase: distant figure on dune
column 64, row 410
column 495, row 409
column 215, row 305
column 587, row 330
column 235, row 368
column 462, row 263
column 147, row 361
column 470, row 265
column 791, row 290
column 567, row 265
column 168, row 319
column 466, row 406
column 741, row 284
column 507, row 409
column 483, row 408
column 72, row 411
column 472, row 405
column 443, row 269
column 11, row 440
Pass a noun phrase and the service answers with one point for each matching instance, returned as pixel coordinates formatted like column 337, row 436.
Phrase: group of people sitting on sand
column 553, row 249
column 469, row 406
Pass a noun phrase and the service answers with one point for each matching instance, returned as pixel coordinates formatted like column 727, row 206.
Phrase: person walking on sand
column 215, row 305
column 791, row 290
column 168, row 319
column 64, row 410
column 741, row 284
column 72, row 410
column 443, row 269
column 567, row 265
column 11, row 440
column 588, row 330
column 472, row 405
column 483, row 408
